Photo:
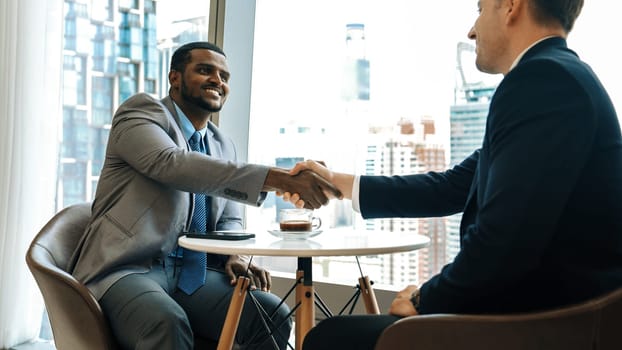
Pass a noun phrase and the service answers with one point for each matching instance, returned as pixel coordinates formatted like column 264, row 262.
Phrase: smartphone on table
column 221, row 235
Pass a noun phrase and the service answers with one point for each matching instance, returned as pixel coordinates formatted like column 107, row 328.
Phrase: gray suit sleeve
column 145, row 136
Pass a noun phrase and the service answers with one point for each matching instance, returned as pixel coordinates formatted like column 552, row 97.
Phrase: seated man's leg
column 207, row 309
column 143, row 316
column 359, row 332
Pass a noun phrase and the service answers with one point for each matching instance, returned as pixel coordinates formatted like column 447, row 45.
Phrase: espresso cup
column 301, row 220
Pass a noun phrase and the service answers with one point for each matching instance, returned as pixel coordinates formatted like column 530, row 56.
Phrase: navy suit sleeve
column 422, row 195
column 539, row 134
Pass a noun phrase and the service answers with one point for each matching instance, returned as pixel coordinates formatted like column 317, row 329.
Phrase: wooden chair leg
column 305, row 315
column 369, row 297
column 227, row 335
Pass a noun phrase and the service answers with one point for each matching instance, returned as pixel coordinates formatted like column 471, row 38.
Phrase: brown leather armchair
column 75, row 316
column 593, row 325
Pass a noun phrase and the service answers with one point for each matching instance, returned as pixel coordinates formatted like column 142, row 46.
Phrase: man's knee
column 172, row 318
column 166, row 328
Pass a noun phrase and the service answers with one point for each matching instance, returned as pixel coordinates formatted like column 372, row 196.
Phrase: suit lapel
column 213, row 144
column 168, row 103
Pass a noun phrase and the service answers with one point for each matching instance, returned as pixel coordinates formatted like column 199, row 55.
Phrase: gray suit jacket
column 144, row 195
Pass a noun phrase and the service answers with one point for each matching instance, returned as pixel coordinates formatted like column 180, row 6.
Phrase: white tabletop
column 330, row 242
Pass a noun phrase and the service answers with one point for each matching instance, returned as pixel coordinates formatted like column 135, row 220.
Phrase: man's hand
column 401, row 305
column 342, row 182
column 317, row 166
column 259, row 277
column 312, row 188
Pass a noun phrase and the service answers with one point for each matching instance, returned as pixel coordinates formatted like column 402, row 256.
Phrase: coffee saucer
column 294, row 234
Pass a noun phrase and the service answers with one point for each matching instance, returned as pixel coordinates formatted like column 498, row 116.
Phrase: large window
column 371, row 87
column 379, row 87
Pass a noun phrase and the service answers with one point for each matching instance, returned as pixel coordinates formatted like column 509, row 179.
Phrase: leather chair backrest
column 75, row 316
column 594, row 325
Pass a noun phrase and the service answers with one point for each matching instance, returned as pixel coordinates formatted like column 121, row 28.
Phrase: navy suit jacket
column 541, row 199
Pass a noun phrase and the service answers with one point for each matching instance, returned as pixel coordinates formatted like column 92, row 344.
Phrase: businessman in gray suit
column 146, row 197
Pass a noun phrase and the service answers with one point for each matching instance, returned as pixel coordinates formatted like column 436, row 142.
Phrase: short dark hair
column 563, row 12
column 181, row 56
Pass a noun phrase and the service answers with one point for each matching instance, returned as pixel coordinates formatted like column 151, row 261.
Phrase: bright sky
column 421, row 76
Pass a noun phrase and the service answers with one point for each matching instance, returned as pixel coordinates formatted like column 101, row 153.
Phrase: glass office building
column 111, row 51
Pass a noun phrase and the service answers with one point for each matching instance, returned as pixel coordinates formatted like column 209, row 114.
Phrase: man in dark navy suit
column 541, row 199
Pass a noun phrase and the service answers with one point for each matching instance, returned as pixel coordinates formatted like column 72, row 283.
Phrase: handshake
column 308, row 184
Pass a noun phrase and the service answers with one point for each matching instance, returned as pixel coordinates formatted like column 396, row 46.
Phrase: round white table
column 330, row 242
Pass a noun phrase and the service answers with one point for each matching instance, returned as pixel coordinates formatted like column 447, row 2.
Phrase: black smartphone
column 222, row 235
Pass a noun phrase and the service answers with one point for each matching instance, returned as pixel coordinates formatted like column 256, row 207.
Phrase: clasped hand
column 310, row 186
column 297, row 197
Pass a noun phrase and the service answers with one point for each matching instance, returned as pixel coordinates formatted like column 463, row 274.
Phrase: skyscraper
column 431, row 156
column 390, row 152
column 356, row 77
column 110, row 53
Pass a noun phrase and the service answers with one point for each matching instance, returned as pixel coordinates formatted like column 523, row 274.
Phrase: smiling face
column 203, row 86
column 491, row 43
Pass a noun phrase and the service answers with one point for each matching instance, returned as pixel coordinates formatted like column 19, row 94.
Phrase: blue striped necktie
column 192, row 274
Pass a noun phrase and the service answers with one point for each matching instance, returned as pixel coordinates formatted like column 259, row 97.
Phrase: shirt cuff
column 355, row 194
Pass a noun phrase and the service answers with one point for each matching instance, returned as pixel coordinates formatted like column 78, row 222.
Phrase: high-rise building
column 111, row 52
column 431, row 157
column 404, row 149
column 356, row 77
column 392, row 153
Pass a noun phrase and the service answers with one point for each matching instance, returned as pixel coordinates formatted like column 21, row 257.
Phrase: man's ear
column 514, row 8
column 174, row 77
